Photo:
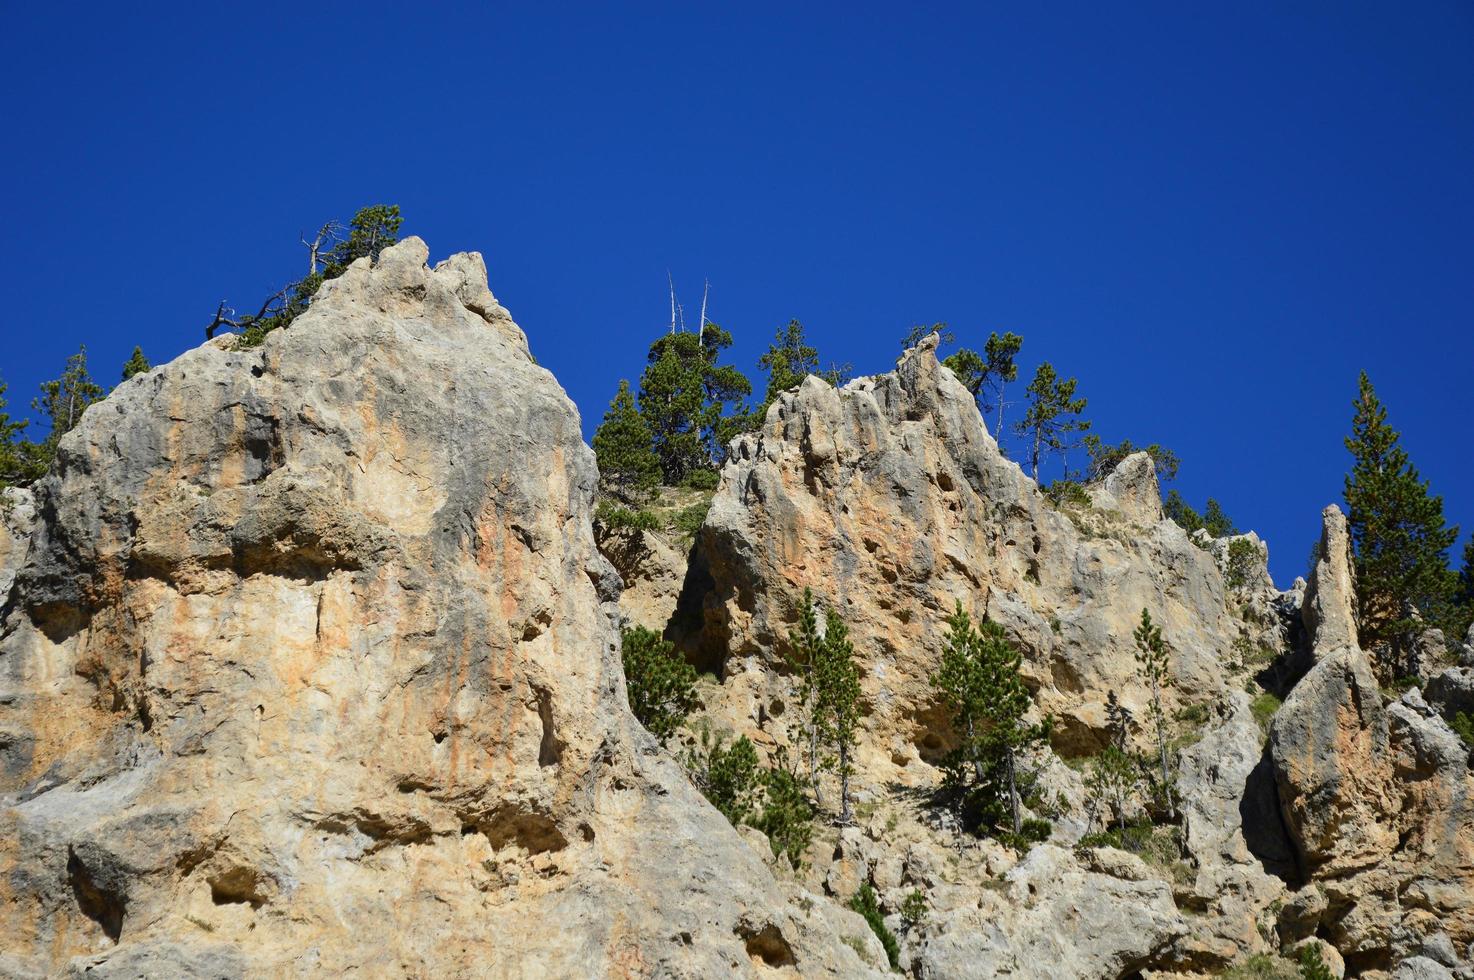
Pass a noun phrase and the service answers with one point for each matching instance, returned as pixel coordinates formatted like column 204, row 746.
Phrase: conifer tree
column 64, row 400
column 1105, row 457
column 623, row 445
column 660, row 684
column 804, row 656
column 684, row 396
column 980, row 682
column 838, row 703
column 1053, row 415
column 136, row 365
column 1401, row 542
column 16, row 456
column 1151, row 661
column 987, row 375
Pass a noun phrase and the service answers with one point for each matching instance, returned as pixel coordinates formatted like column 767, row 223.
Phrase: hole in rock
column 237, row 886
column 768, row 945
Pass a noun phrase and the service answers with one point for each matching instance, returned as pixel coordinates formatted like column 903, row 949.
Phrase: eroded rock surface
column 309, row 669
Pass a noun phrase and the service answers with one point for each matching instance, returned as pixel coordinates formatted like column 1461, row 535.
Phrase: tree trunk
column 1000, row 411
column 1018, row 824
column 1162, row 747
column 1034, row 458
column 844, row 784
column 972, row 751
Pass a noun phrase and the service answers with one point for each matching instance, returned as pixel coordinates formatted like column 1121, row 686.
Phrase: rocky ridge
column 309, row 663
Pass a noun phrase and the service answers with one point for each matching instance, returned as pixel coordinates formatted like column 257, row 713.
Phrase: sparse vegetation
column 865, row 903
column 623, row 518
column 914, row 909
column 1264, row 707
column 1242, row 562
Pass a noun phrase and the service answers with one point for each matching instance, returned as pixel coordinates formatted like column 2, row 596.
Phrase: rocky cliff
column 309, row 665
column 308, row 669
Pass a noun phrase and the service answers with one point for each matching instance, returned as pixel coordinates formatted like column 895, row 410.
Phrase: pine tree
column 64, row 400
column 980, row 681
column 804, row 656
column 623, row 445
column 684, row 396
column 660, row 684
column 1464, row 616
column 1401, row 542
column 1151, row 661
column 1052, row 417
column 16, row 456
column 987, row 375
column 837, row 703
column 136, row 365
column 1105, row 457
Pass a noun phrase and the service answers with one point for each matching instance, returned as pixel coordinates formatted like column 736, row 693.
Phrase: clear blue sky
column 1213, row 214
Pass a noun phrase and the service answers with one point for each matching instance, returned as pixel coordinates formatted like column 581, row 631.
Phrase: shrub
column 914, row 909
column 1312, row 966
column 1065, row 492
column 866, row 904
column 660, row 683
column 701, row 479
column 624, row 519
column 1463, row 725
column 689, row 520
column 1264, row 706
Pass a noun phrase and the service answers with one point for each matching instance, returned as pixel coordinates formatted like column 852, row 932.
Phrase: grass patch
column 1263, row 707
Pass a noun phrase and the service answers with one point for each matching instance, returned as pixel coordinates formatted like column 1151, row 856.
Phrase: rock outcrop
column 309, row 668
column 1378, row 797
column 890, row 500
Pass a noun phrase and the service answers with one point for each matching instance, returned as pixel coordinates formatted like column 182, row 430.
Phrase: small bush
column 1262, row 966
column 1463, row 725
column 689, row 520
column 726, row 775
column 1264, row 706
column 701, row 480
column 661, row 685
column 914, row 909
column 787, row 816
column 622, row 518
column 866, row 904
column 1312, row 966
column 1067, row 492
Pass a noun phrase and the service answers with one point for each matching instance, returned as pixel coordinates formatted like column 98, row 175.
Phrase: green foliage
column 731, row 779
column 1244, row 558
column 980, row 682
column 1312, row 966
column 828, row 694
column 1262, row 966
column 62, row 402
column 1399, row 538
column 987, row 375
column 684, row 394
column 622, row 518
column 1212, row 519
column 136, row 365
column 865, row 903
column 688, row 520
column 701, row 480
column 1152, row 664
column 372, row 230
column 1263, row 708
column 1463, row 615
column 921, row 331
column 1063, row 492
column 914, row 909
column 18, row 463
column 1112, row 784
column 1463, row 725
column 1105, row 457
column 771, row 799
column 787, row 816
column 623, row 445
column 788, row 360
column 1052, row 417
column 661, row 684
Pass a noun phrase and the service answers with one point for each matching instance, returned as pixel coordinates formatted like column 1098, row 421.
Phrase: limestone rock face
column 1054, row 919
column 890, row 500
column 17, row 518
column 1330, row 595
column 309, row 668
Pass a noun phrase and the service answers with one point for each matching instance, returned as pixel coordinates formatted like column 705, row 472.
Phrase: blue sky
column 1213, row 215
